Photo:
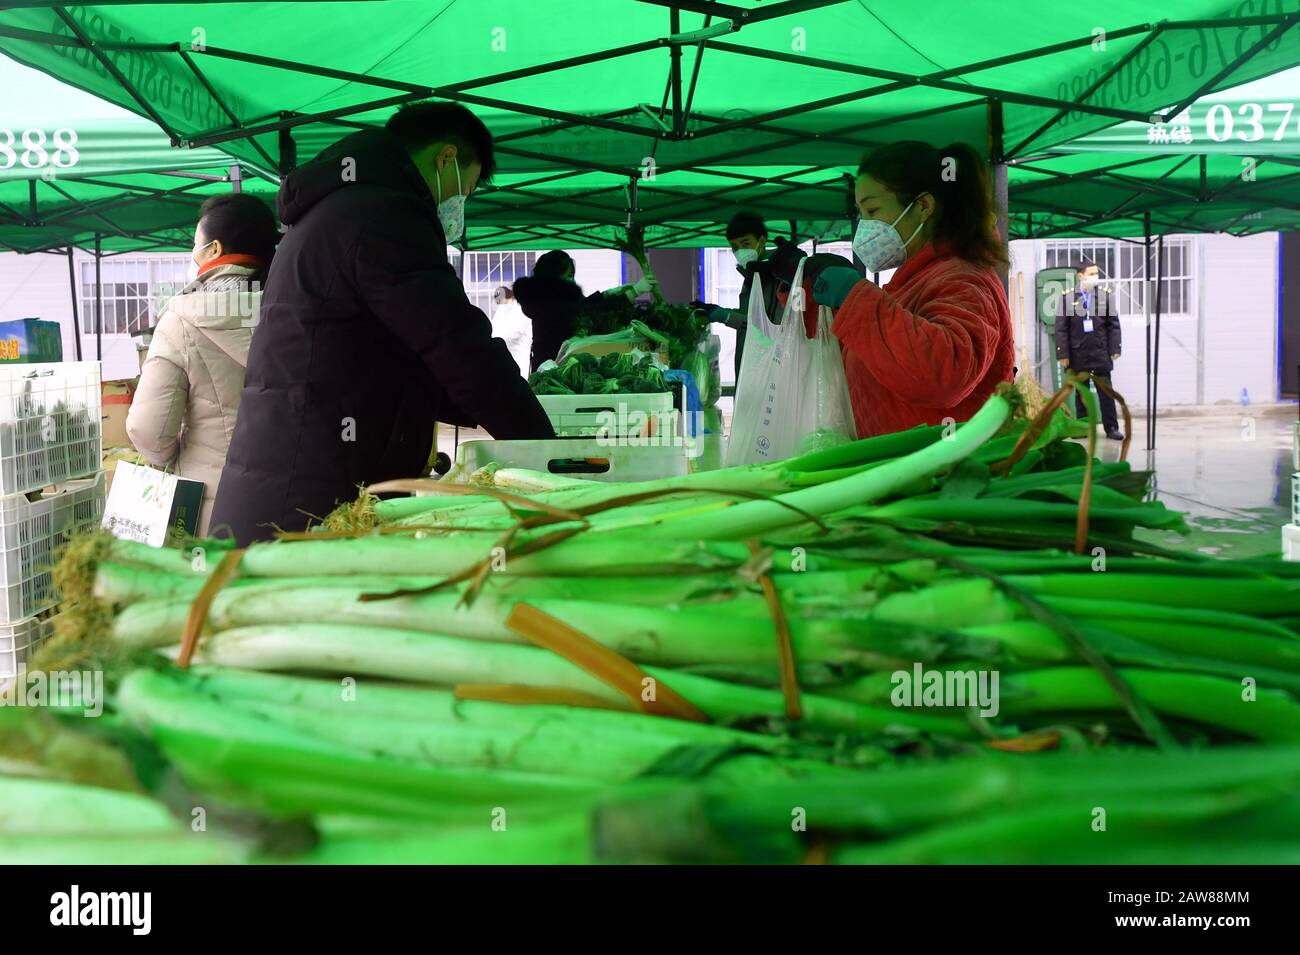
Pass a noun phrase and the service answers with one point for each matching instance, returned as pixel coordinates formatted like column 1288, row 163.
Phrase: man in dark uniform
column 1088, row 338
column 365, row 337
column 747, row 236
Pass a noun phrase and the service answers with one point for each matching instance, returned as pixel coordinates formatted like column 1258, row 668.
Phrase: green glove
column 833, row 285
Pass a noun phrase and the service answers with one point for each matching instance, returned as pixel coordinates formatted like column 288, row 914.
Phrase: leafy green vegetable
column 585, row 374
column 678, row 329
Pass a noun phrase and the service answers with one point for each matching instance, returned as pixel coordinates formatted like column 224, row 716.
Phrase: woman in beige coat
column 183, row 412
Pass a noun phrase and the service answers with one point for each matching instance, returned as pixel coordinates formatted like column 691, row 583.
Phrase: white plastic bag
column 759, row 336
column 792, row 395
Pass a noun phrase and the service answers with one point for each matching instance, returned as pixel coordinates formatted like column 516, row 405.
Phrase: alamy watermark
column 64, row 689
column 946, row 688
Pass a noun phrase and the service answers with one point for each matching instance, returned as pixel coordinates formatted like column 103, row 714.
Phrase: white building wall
column 1239, row 305
column 37, row 286
column 1225, row 341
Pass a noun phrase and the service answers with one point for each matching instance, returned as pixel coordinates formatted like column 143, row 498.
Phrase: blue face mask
column 451, row 211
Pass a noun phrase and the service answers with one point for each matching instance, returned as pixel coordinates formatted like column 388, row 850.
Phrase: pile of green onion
column 595, row 661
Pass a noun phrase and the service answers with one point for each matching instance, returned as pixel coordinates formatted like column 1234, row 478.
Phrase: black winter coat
column 1088, row 351
column 365, row 339
column 553, row 306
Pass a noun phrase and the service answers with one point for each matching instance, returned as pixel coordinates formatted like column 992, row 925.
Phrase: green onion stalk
column 885, row 810
column 754, row 518
column 449, row 661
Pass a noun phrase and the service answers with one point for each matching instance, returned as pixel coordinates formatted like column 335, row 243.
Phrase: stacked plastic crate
column 50, row 485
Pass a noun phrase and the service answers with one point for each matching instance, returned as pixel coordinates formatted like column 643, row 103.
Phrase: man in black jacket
column 1088, row 338
column 747, row 236
column 365, row 337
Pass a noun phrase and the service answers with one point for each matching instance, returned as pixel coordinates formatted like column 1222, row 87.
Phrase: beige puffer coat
column 183, row 412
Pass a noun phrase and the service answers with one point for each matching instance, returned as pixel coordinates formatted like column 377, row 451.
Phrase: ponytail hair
column 958, row 178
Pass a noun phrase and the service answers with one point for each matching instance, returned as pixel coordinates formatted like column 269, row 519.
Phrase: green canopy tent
column 1229, row 162
column 666, row 113
column 78, row 172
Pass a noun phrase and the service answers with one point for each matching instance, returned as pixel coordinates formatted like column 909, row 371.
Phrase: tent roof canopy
column 668, row 112
column 82, row 167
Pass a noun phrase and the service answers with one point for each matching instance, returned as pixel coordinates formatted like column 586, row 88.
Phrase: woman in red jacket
column 936, row 340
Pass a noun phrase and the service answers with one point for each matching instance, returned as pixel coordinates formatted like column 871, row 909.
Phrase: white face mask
column 192, row 270
column 879, row 246
column 1090, row 282
column 451, row 211
column 744, row 257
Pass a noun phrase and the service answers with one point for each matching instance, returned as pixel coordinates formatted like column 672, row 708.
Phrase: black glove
column 785, row 259
column 820, row 261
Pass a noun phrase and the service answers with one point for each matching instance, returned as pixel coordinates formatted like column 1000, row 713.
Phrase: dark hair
column 418, row 125
column 1083, row 265
column 553, row 264
column 958, row 178
column 745, row 223
column 244, row 224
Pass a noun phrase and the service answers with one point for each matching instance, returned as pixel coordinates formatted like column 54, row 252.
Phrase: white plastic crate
column 18, row 641
column 575, row 457
column 31, row 533
column 613, row 415
column 1291, row 542
column 50, row 426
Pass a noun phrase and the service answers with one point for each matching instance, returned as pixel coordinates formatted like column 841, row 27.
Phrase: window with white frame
column 135, row 289
column 485, row 272
column 1124, row 263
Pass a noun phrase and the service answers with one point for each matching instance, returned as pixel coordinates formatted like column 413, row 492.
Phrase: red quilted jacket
column 933, row 343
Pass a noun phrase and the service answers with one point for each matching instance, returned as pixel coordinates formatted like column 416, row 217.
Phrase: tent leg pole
column 1146, row 308
column 236, row 178
column 1000, row 192
column 1155, row 360
column 99, row 304
column 76, row 325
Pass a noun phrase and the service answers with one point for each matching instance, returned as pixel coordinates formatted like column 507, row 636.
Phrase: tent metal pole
column 1155, row 362
column 288, row 151
column 72, row 284
column 802, row 139
column 1287, row 23
column 1059, row 178
column 236, row 178
column 221, row 103
column 900, row 80
column 289, row 120
column 695, row 70
column 1146, row 308
column 1101, row 81
column 97, row 51
column 453, row 91
column 996, row 130
column 82, row 208
column 742, row 16
column 31, row 202
column 99, row 304
column 675, row 72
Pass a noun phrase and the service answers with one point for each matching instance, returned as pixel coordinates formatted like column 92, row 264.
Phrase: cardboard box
column 116, row 397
